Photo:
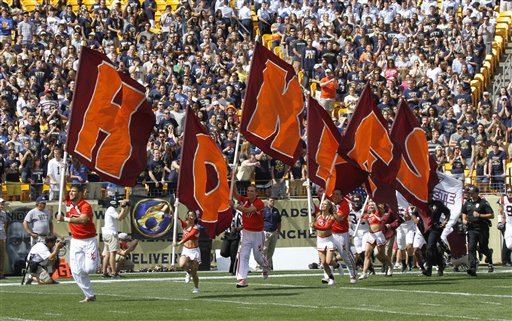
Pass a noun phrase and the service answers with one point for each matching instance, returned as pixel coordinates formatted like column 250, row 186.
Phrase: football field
column 291, row 295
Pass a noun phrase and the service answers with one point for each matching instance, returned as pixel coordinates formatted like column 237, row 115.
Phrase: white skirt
column 325, row 243
column 194, row 254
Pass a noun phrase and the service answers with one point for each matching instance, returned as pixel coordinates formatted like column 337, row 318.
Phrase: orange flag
column 203, row 179
column 273, row 107
column 323, row 142
column 110, row 120
column 417, row 174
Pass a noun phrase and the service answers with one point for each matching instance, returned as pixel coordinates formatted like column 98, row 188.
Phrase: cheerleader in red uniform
column 324, row 221
column 190, row 255
column 374, row 217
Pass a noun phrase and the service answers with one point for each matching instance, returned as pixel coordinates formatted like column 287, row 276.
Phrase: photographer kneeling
column 126, row 246
column 40, row 259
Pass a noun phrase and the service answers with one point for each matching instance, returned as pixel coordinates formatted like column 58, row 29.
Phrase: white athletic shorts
column 360, row 240
column 508, row 236
column 419, row 240
column 194, row 254
column 325, row 243
column 377, row 237
column 404, row 236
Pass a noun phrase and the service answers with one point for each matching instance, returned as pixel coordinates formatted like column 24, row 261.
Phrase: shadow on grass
column 281, row 288
column 243, row 295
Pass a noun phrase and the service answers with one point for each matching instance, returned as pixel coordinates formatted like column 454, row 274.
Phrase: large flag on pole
column 203, row 179
column 273, row 107
column 325, row 166
column 417, row 174
column 110, row 120
column 367, row 145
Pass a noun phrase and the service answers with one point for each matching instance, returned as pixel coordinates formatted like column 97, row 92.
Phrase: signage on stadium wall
column 149, row 253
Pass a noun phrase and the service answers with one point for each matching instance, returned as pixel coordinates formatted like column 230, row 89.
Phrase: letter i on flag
column 323, row 139
column 110, row 120
column 367, row 145
column 417, row 174
column 203, row 179
column 273, row 107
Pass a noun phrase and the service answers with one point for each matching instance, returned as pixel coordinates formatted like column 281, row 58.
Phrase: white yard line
column 15, row 319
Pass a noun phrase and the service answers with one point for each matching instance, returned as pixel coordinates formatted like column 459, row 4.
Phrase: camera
column 110, row 201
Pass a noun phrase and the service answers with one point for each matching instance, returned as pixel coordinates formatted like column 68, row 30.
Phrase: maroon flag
column 367, row 145
column 273, row 107
column 417, row 174
column 203, row 179
column 323, row 139
column 110, row 120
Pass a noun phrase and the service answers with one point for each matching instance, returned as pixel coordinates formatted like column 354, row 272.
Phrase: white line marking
column 431, row 304
column 16, row 319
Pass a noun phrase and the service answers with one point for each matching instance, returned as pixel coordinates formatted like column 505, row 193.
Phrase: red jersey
column 374, row 218
column 80, row 231
column 343, row 210
column 322, row 223
column 253, row 221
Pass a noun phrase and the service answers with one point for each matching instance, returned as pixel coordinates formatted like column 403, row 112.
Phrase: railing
column 503, row 79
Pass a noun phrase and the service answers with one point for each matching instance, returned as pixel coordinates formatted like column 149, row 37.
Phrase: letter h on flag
column 203, row 179
column 323, row 142
column 110, row 120
column 273, row 107
column 368, row 145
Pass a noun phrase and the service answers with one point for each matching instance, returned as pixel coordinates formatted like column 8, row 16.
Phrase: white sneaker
column 195, row 290
column 331, row 282
column 187, row 278
column 353, row 280
column 363, row 276
column 389, row 271
column 28, row 279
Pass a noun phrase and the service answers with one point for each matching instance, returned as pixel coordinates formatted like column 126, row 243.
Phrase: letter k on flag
column 110, row 120
column 273, row 107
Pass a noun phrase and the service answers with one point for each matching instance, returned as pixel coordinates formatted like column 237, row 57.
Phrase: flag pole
column 234, row 166
column 61, row 183
column 328, row 179
column 174, row 233
column 310, row 204
column 361, row 217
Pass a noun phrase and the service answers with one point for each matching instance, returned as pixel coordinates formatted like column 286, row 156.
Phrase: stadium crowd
column 198, row 54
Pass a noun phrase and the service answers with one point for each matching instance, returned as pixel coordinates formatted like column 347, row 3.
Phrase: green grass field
column 283, row 296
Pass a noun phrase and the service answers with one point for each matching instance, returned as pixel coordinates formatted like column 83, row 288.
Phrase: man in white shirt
column 110, row 237
column 40, row 259
column 38, row 221
column 56, row 167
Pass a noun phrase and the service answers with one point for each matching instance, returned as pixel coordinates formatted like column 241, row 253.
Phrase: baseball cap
column 41, row 199
column 328, row 70
column 486, row 93
column 504, row 97
column 509, row 189
column 124, row 236
column 2, row 200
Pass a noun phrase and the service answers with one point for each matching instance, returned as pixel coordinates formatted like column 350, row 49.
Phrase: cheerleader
column 190, row 255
